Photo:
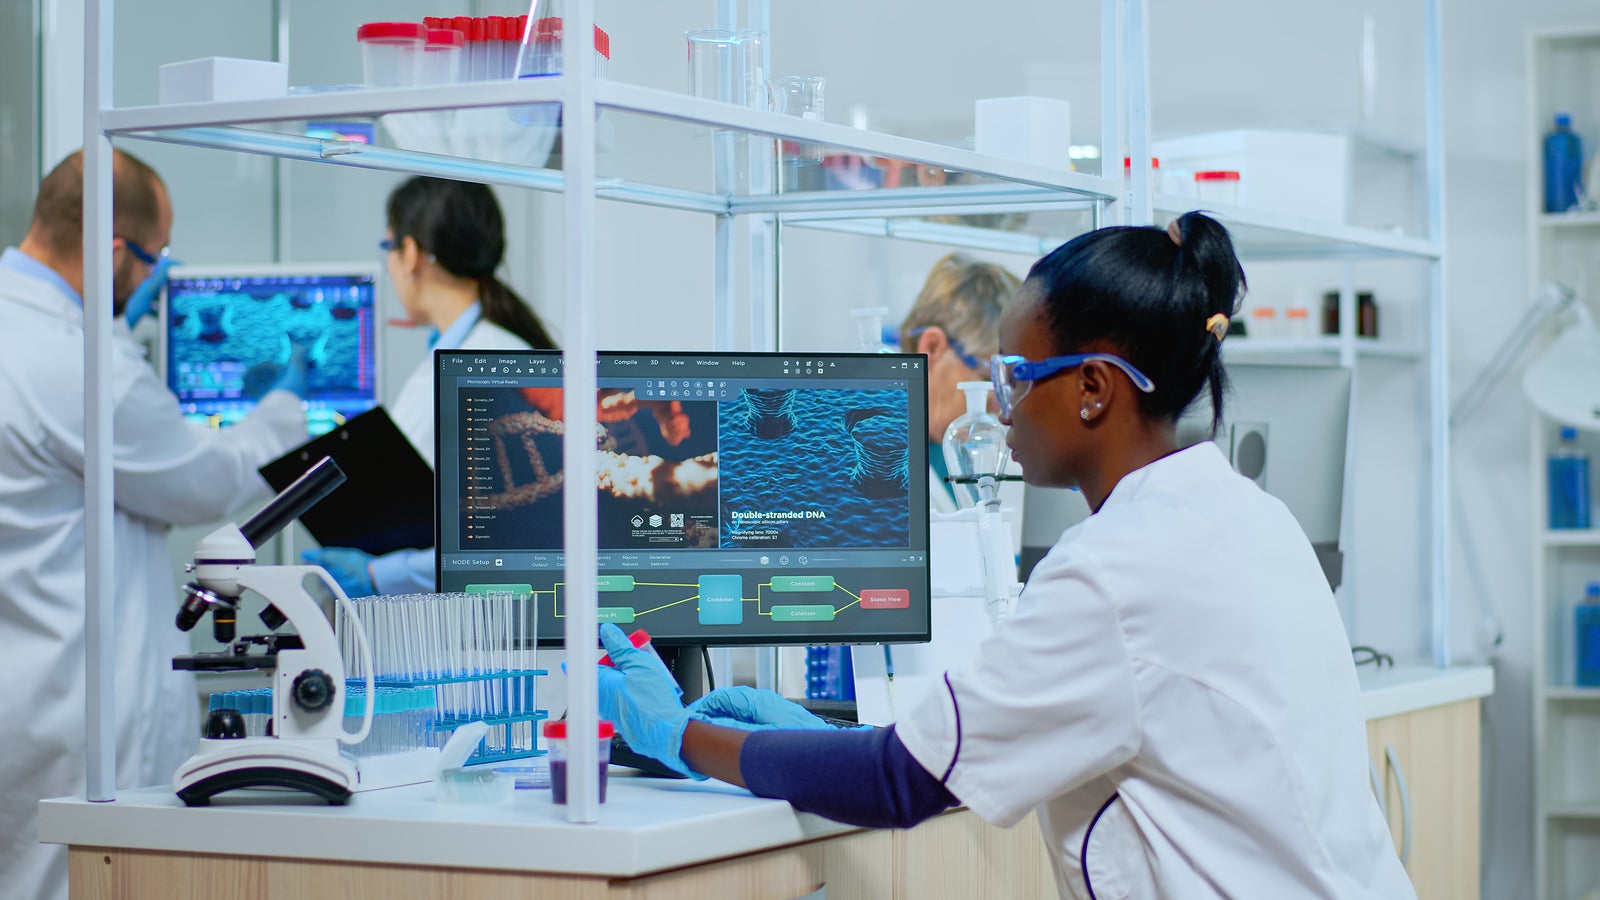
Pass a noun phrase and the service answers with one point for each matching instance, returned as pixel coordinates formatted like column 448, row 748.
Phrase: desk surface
column 1401, row 689
column 646, row 825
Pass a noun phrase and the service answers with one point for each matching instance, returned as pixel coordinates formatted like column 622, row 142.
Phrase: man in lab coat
column 167, row 471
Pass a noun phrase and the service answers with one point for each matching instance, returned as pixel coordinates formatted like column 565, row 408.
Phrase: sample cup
column 555, row 740
column 1217, row 187
column 442, row 56
column 799, row 95
column 391, row 52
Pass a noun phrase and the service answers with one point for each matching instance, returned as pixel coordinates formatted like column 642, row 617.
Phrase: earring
column 1084, row 414
column 1098, row 404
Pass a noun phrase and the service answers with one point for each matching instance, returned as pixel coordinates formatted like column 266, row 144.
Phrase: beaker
column 716, row 65
column 799, row 95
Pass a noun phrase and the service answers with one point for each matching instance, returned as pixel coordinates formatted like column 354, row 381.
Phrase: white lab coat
column 1179, row 651
column 413, row 408
column 168, row 471
column 412, row 571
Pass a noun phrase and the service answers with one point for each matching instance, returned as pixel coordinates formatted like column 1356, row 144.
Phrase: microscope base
column 315, row 767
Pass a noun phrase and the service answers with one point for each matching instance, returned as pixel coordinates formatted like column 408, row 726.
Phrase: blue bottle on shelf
column 1569, row 483
column 1563, row 166
column 1586, row 628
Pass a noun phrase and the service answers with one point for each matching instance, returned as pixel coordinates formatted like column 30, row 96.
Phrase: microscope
column 301, row 749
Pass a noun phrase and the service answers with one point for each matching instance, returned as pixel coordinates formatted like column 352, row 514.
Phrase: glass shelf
column 1570, row 220
column 1323, row 350
column 465, row 131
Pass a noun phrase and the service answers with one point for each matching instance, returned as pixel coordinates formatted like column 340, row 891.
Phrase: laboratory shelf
column 258, row 126
column 1570, row 220
column 249, row 126
column 1265, row 235
column 1569, row 692
column 1314, row 351
column 1570, row 537
column 1572, row 812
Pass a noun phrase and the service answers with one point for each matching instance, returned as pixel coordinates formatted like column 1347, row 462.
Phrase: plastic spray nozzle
column 975, row 446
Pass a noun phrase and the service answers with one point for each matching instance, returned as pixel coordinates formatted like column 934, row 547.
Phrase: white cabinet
column 1563, row 67
column 1426, row 764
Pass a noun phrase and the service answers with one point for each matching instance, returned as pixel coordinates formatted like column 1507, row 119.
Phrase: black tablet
column 386, row 502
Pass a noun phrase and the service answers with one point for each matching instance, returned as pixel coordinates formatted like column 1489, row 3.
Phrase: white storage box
column 222, row 78
column 1031, row 129
column 1302, row 174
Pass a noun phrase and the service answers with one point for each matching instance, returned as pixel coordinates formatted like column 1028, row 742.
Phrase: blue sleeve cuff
column 858, row 777
column 404, row 572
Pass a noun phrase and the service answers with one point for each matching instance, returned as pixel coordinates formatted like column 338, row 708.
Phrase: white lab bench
column 661, row 839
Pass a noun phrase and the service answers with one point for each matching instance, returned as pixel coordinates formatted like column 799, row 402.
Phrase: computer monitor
column 228, row 330
column 1288, row 429
column 744, row 498
column 1285, row 427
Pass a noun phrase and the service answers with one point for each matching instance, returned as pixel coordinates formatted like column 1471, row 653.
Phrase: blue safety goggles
column 1013, row 376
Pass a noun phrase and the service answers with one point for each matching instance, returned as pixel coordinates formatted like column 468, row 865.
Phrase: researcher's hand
column 143, row 298
column 640, row 696
column 753, row 710
column 293, row 376
column 348, row 566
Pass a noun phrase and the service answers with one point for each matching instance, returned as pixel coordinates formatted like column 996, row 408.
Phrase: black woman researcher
column 1174, row 694
column 444, row 242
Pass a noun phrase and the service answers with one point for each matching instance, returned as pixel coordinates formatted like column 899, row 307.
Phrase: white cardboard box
column 1030, row 129
column 1304, row 174
column 216, row 78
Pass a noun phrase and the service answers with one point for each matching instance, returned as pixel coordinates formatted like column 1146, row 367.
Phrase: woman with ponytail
column 445, row 241
column 1174, row 693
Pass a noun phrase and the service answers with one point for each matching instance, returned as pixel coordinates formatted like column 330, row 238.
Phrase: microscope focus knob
column 224, row 724
column 313, row 690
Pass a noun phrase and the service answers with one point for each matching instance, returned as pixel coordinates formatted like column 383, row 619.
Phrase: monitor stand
column 687, row 665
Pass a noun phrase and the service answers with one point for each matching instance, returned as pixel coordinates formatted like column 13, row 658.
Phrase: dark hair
column 1139, row 293
column 58, row 208
column 460, row 225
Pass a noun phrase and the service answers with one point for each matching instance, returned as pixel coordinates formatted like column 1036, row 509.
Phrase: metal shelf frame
column 747, row 223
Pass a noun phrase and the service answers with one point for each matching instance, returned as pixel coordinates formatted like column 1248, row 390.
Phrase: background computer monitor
column 1288, row 429
column 227, row 331
column 1285, row 427
column 743, row 498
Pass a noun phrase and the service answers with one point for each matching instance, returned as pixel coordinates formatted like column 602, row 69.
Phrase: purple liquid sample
column 558, row 780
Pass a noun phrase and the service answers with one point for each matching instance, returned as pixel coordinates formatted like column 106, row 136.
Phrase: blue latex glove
column 143, row 298
column 642, row 699
column 293, row 380
column 347, row 565
column 752, row 710
column 608, row 700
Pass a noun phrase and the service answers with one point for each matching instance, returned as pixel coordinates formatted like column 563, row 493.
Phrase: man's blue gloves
column 348, row 566
column 292, row 378
column 143, row 298
column 640, row 696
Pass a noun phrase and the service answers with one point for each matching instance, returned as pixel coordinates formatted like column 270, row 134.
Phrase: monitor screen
column 228, row 333
column 749, row 498
column 1287, row 428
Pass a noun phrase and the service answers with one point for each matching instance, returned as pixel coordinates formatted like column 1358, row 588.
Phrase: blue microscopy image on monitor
column 814, row 467
column 228, row 338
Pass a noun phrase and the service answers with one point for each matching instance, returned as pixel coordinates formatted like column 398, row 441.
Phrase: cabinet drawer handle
column 1405, row 803
column 1377, row 789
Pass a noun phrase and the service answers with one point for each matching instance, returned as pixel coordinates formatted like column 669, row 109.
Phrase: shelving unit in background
column 1563, row 68
column 643, row 113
